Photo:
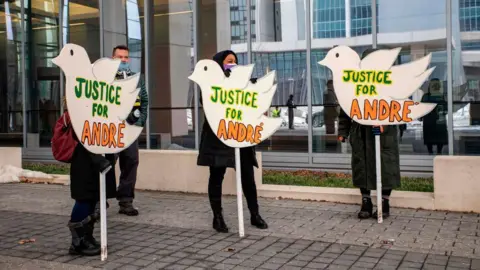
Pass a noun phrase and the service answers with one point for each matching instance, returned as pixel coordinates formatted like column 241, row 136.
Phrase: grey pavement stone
column 309, row 235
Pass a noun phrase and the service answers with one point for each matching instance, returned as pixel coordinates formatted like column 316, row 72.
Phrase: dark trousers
column 81, row 210
column 290, row 118
column 439, row 149
column 128, row 159
column 248, row 186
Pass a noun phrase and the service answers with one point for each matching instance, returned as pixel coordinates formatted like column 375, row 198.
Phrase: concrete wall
column 457, row 185
column 11, row 156
column 456, row 181
column 177, row 171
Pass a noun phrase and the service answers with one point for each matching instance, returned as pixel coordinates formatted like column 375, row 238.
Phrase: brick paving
column 173, row 232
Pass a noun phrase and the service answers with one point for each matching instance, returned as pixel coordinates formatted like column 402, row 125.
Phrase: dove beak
column 323, row 62
column 55, row 61
column 191, row 78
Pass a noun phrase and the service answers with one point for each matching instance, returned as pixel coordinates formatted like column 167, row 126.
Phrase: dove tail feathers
column 270, row 126
column 421, row 110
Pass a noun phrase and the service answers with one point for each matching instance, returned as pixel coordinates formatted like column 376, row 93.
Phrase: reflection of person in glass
column 362, row 140
column 434, row 123
column 290, row 106
column 330, row 108
column 218, row 156
column 276, row 112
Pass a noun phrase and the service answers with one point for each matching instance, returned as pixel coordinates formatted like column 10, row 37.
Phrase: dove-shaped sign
column 234, row 106
column 373, row 91
column 97, row 103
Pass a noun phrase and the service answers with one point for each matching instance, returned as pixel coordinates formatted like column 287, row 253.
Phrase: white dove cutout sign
column 234, row 108
column 374, row 92
column 98, row 106
column 97, row 103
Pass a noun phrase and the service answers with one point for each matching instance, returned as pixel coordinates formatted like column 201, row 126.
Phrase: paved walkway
column 173, row 232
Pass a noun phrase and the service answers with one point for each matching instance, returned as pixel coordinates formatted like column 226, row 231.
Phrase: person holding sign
column 84, row 178
column 218, row 156
column 362, row 140
column 129, row 157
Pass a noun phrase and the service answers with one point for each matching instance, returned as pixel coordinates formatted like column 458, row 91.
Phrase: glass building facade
column 166, row 38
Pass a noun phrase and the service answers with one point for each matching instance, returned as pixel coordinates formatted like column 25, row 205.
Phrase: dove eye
column 337, row 55
column 71, row 52
column 205, row 68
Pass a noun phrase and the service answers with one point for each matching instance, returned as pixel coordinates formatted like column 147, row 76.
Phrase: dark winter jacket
column 435, row 122
column 85, row 178
column 213, row 152
column 362, row 140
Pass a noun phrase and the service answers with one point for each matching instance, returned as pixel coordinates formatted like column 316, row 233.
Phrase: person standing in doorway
column 129, row 157
column 291, row 113
column 362, row 140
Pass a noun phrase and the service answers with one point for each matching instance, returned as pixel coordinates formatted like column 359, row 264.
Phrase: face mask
column 124, row 66
column 229, row 66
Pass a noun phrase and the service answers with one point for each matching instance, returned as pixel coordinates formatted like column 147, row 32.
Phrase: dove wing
column 128, row 95
column 105, row 69
column 415, row 70
column 239, row 77
column 403, row 86
column 265, row 100
column 380, row 60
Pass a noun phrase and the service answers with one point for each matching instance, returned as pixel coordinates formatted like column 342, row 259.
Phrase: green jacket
column 362, row 140
column 143, row 100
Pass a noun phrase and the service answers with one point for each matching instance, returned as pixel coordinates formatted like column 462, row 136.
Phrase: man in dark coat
column 218, row 156
column 129, row 158
column 362, row 140
column 291, row 113
column 330, row 108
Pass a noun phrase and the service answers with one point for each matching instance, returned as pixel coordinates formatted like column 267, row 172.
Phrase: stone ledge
column 404, row 199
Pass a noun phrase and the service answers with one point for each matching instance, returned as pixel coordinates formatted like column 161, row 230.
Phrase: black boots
column 218, row 223
column 127, row 208
column 385, row 209
column 80, row 244
column 367, row 208
column 89, row 227
column 257, row 221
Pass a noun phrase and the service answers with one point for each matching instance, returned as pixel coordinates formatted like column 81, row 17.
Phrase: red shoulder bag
column 63, row 141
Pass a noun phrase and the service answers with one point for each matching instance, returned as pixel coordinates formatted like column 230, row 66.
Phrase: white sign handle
column 378, row 161
column 241, row 229
column 103, row 217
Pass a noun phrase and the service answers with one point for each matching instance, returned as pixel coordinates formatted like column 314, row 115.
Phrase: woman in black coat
column 85, row 172
column 218, row 156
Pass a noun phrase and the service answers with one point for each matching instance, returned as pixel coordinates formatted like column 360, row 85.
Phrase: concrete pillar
column 213, row 32
column 114, row 25
column 348, row 19
column 180, row 42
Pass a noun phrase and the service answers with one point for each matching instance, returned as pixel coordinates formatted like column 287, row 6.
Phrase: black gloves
column 228, row 71
column 131, row 119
